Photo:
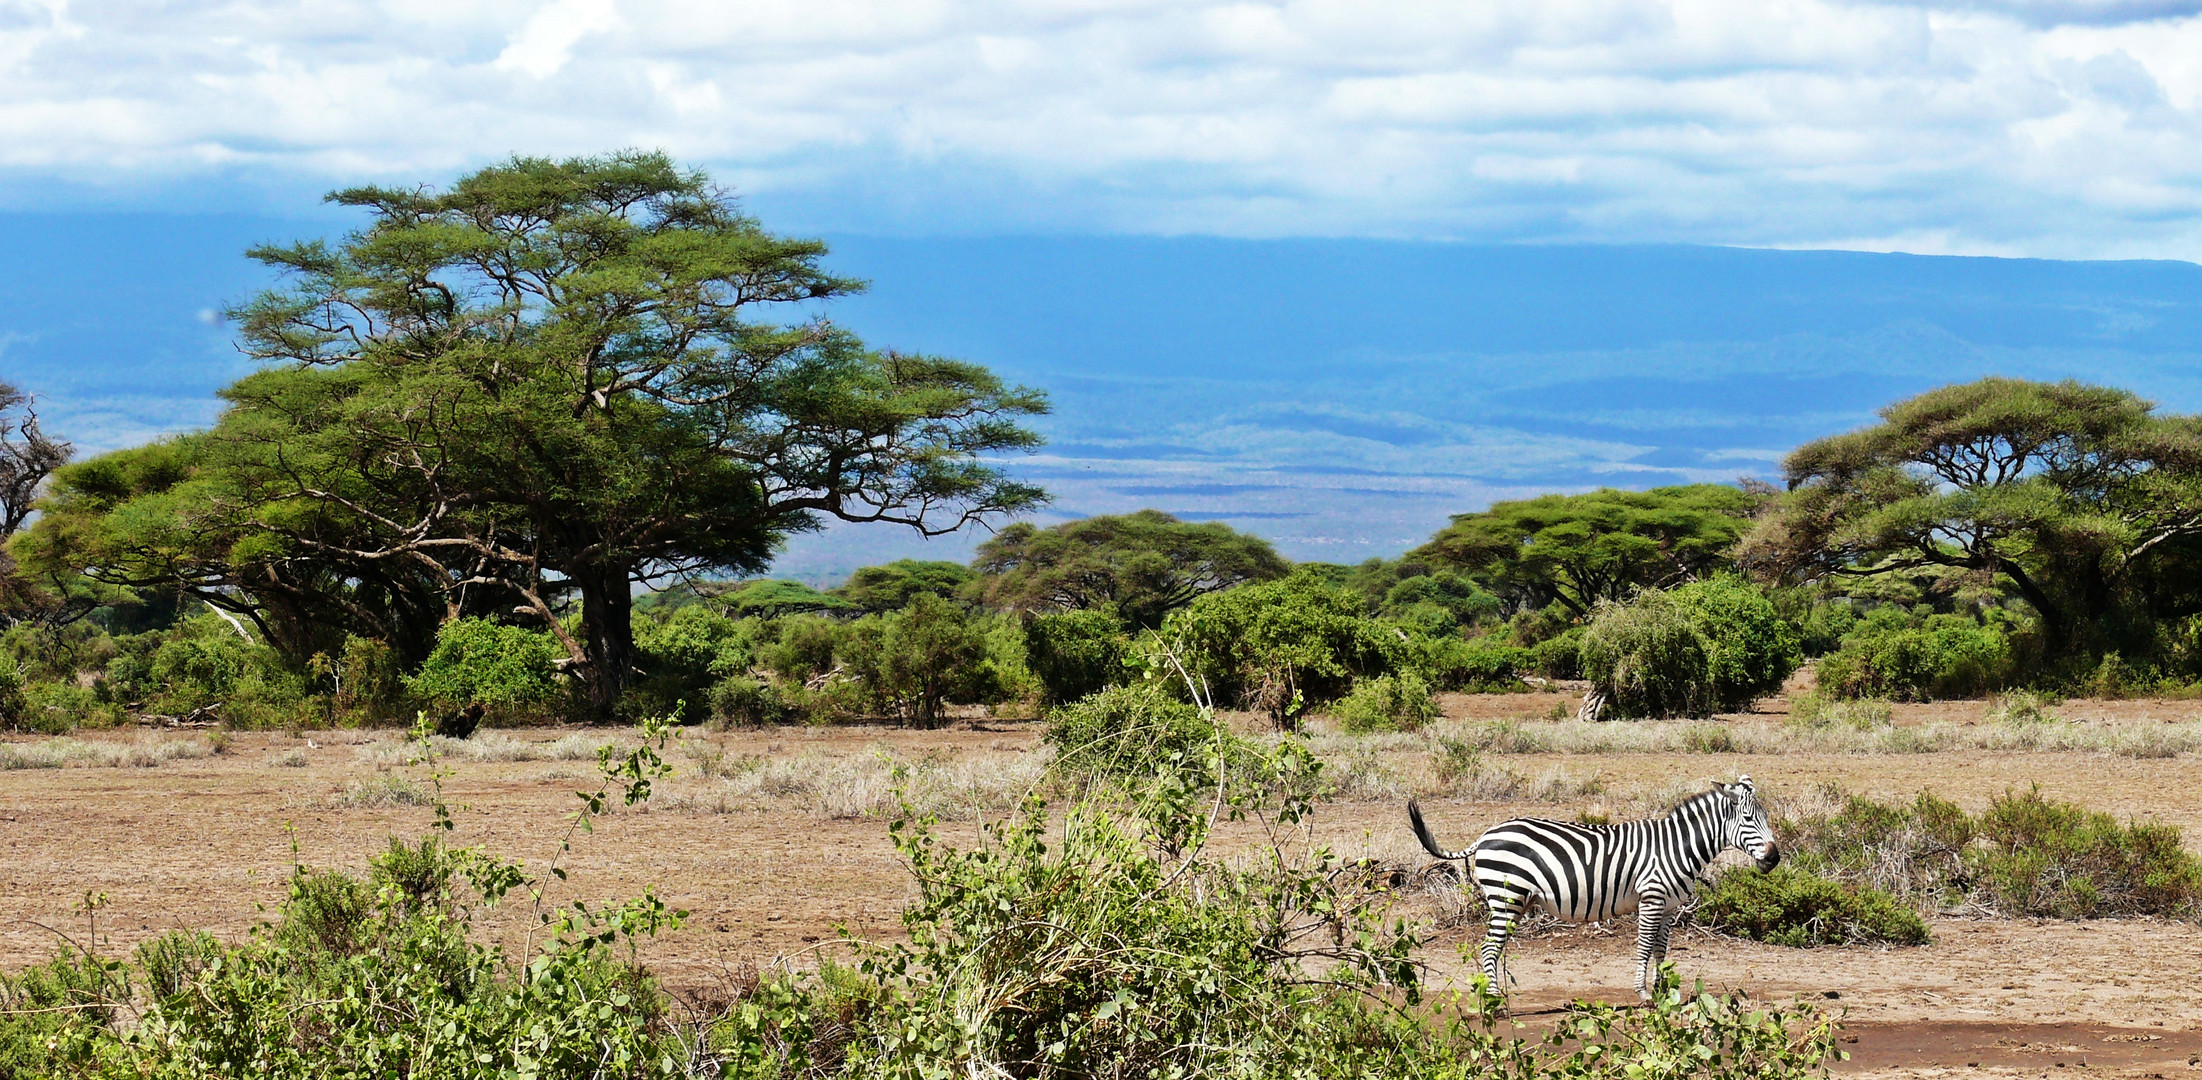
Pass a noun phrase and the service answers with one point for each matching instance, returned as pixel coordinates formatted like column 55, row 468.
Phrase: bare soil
column 209, row 842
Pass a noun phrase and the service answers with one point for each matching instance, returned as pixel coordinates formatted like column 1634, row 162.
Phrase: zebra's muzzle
column 1770, row 860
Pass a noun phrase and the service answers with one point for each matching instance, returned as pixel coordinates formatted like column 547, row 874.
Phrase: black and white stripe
column 1587, row 873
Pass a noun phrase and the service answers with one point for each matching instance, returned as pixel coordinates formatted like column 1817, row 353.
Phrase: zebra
column 1588, row 873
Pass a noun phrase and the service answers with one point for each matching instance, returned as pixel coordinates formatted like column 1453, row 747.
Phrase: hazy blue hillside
column 1341, row 397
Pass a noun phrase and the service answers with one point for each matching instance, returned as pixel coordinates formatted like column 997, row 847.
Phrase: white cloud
column 2048, row 127
column 547, row 40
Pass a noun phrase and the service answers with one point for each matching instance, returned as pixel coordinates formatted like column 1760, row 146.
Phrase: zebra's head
column 1747, row 824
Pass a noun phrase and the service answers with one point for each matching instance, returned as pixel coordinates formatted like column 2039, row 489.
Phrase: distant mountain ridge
column 1339, row 396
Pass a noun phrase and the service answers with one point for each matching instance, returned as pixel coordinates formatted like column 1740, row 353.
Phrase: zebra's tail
column 1422, row 833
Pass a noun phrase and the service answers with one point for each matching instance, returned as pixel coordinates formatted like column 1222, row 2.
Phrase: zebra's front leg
column 1652, row 921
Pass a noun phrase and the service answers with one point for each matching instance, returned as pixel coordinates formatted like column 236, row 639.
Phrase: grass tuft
column 100, row 754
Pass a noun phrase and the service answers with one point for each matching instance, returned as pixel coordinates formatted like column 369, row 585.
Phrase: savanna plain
column 776, row 841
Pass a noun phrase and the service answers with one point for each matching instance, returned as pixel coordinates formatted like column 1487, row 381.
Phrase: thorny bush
column 2026, row 854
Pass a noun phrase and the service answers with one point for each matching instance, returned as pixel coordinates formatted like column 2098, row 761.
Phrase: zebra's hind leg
column 1501, row 927
column 1652, row 921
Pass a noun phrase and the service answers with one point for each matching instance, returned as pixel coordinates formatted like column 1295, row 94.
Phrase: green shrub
column 1282, row 646
column 44, row 651
column 1076, row 653
column 201, row 669
column 1004, row 680
column 14, row 707
column 2020, row 708
column 682, row 656
column 367, row 681
column 174, row 960
column 1794, row 907
column 917, row 660
column 1131, row 731
column 49, row 708
column 1559, row 657
column 2026, row 855
column 2113, row 677
column 909, row 664
column 1915, row 852
column 833, row 700
column 1115, row 963
column 1948, row 656
column 413, row 879
column 2037, row 856
column 1476, row 667
column 1438, row 604
column 129, row 676
column 1649, row 659
column 1750, row 648
column 800, row 648
column 1399, row 702
column 327, row 911
column 1822, row 626
column 749, row 701
column 1710, row 646
column 203, row 662
column 508, row 670
column 55, row 1016
column 56, row 708
column 386, row 989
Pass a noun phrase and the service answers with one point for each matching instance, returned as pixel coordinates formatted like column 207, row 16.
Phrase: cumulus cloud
column 2048, row 127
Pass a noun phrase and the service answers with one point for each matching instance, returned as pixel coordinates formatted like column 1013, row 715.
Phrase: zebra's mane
column 1719, row 795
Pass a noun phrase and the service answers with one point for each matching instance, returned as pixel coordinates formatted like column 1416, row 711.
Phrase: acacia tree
column 555, row 378
column 27, row 457
column 202, row 515
column 2080, row 499
column 1603, row 545
column 1146, row 564
column 891, row 587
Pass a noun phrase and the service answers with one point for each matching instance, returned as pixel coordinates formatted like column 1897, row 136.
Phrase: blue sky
column 1328, row 271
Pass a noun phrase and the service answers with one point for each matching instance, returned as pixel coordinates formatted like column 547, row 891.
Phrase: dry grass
column 380, row 793
column 1853, row 731
column 1812, row 712
column 1393, row 767
column 145, row 753
column 488, row 746
column 876, row 784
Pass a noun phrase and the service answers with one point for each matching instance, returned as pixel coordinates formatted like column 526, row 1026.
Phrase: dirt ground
column 208, row 842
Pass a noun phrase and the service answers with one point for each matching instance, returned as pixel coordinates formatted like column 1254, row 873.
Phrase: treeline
column 1676, row 601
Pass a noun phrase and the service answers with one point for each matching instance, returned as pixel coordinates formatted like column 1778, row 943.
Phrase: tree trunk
column 2056, row 629
column 608, row 637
